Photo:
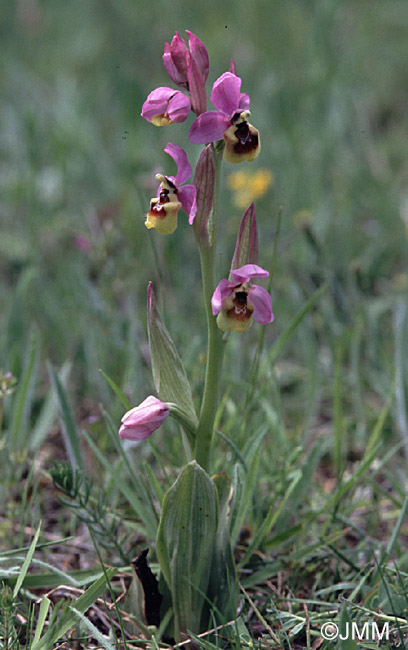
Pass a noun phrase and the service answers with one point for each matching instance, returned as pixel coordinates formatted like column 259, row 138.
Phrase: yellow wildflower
column 248, row 187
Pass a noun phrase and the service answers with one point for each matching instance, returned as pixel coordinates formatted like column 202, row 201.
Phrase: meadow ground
column 320, row 432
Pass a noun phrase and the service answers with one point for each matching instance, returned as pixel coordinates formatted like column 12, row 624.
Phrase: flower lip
column 241, row 140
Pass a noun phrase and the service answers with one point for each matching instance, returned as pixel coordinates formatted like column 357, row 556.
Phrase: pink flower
column 82, row 243
column 229, row 121
column 238, row 302
column 164, row 106
column 140, row 422
column 172, row 195
column 187, row 66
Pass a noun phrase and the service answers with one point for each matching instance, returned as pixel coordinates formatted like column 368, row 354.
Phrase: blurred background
column 328, row 82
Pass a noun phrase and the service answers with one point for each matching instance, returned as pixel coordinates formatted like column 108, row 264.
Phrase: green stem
column 215, row 351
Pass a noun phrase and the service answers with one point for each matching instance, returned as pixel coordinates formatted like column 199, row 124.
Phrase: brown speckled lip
column 247, row 141
column 241, row 310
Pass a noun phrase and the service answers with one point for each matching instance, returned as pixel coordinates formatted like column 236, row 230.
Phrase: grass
column 318, row 453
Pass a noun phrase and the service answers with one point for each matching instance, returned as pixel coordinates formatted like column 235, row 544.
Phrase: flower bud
column 204, row 179
column 140, row 422
column 246, row 248
column 164, row 106
column 187, row 66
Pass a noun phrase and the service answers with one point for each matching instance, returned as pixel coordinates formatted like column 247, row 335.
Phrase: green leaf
column 222, row 591
column 169, row 375
column 185, row 544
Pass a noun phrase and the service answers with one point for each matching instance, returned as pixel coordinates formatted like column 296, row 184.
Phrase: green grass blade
column 22, row 402
column 48, row 413
column 116, row 390
column 26, row 562
column 270, row 520
column 118, row 445
column 69, row 619
column 148, row 516
column 337, row 416
column 375, row 435
column 295, row 322
column 67, row 419
column 154, row 483
column 93, row 630
column 234, row 448
column 42, row 617
column 17, row 551
column 397, row 528
column 77, row 578
column 342, row 491
column 133, row 477
column 244, row 485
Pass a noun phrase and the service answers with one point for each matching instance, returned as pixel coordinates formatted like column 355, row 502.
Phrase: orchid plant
column 194, row 545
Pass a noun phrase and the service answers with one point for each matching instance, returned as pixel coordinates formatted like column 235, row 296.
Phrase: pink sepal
column 184, row 169
column 187, row 196
column 208, row 127
column 262, row 303
column 222, row 291
column 225, row 94
column 247, row 272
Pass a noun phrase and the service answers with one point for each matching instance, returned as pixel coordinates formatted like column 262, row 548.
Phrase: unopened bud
column 204, row 179
column 246, row 248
